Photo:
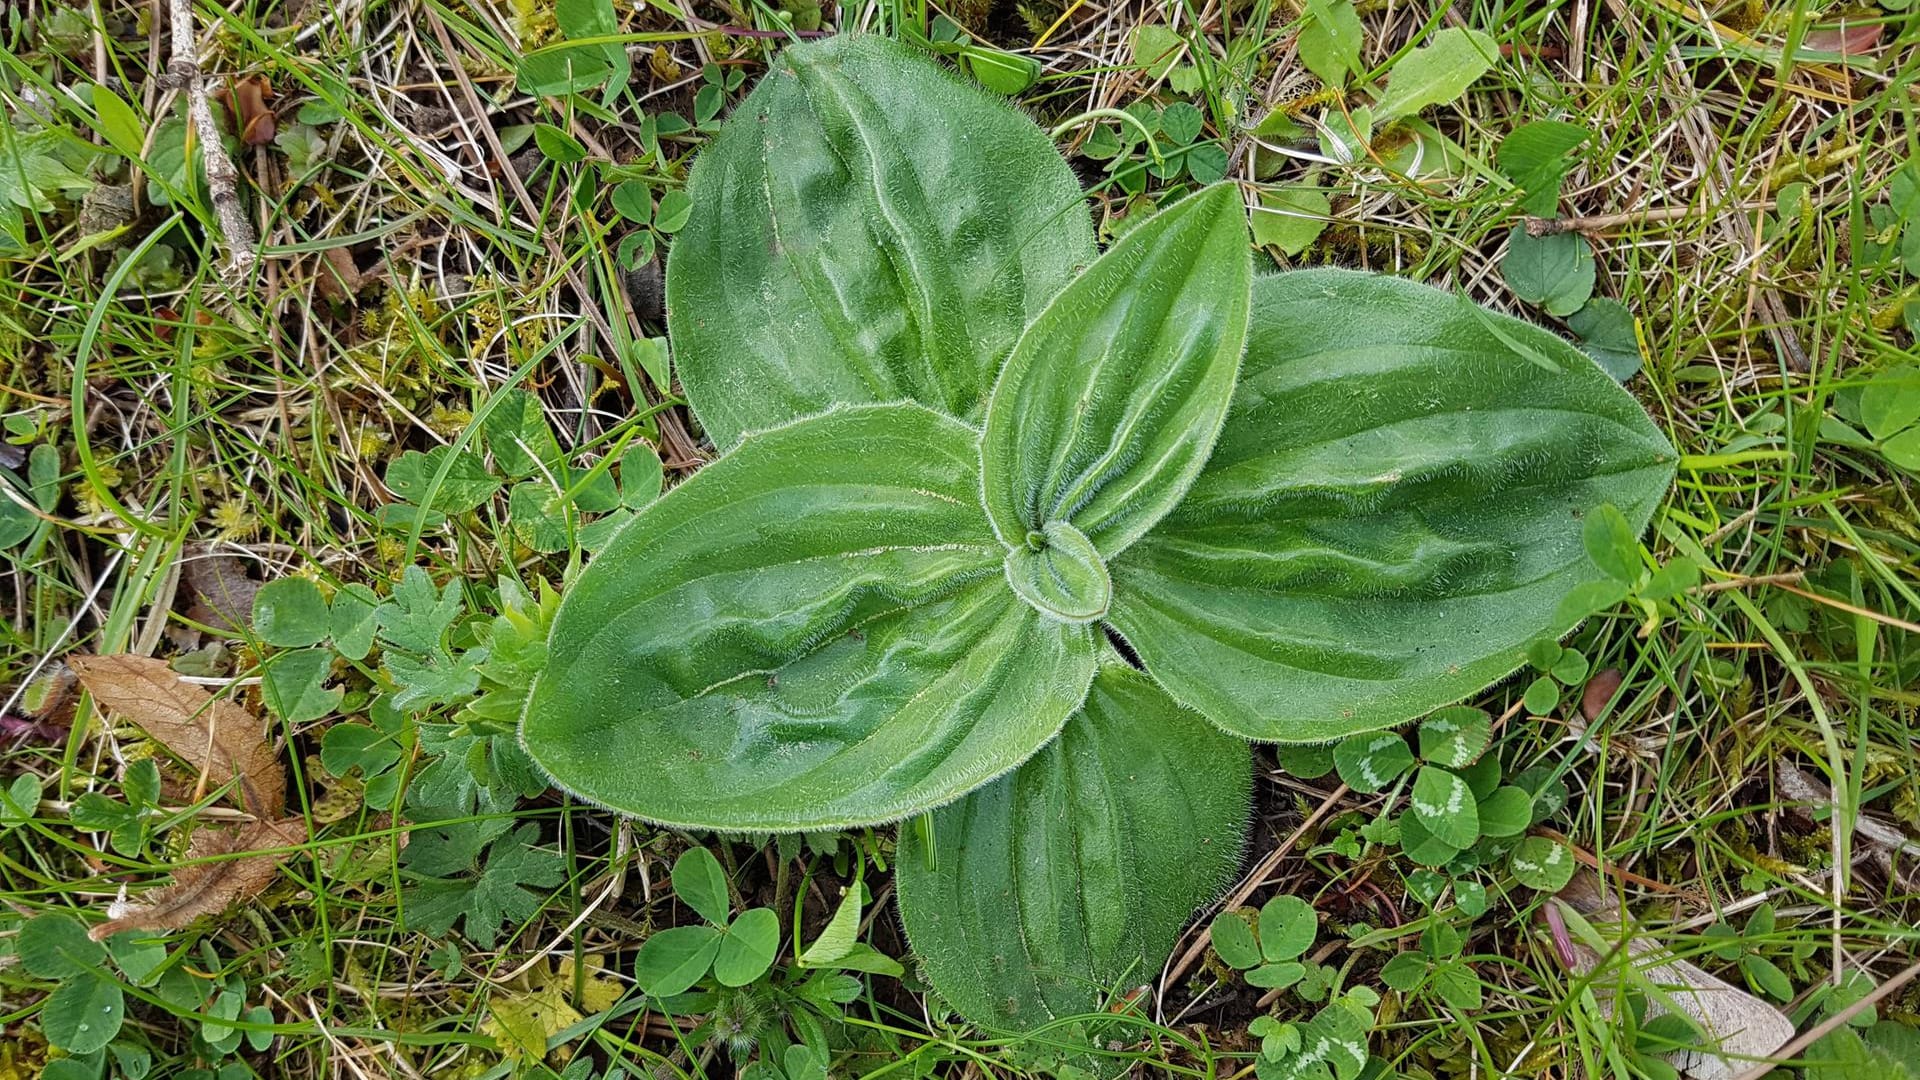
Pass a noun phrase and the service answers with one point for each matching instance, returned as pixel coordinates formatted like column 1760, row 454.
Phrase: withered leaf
column 1599, row 693
column 208, row 888
column 252, row 117
column 339, row 278
column 212, row 734
column 222, row 591
column 1856, row 40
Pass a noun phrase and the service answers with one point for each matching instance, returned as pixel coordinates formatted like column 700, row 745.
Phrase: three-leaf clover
column 1267, row 950
column 87, row 1007
column 1890, row 409
column 1172, row 140
column 1456, row 797
column 1742, row 948
column 1331, row 1046
column 1435, row 962
column 1612, row 543
column 737, row 950
column 1558, row 666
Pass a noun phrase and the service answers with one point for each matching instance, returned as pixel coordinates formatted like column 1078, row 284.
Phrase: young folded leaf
column 1074, row 874
column 1058, row 571
column 839, row 253
column 811, row 633
column 1110, row 402
column 1392, row 514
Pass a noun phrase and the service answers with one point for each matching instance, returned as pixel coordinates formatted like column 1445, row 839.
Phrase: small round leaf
column 1544, row 653
column 1287, row 928
column 1420, row 845
column 1455, row 737
column 1405, row 972
column 538, row 512
column 1611, row 543
column 290, row 613
column 83, row 1014
column 673, row 960
column 1506, row 812
column 54, row 946
column 1571, row 668
column 1444, row 803
column 1277, row 976
column 748, row 949
column 1540, row 863
column 701, row 885
column 633, row 200
column 674, row 210
column 1541, row 696
column 641, row 476
column 1233, row 939
column 1372, row 762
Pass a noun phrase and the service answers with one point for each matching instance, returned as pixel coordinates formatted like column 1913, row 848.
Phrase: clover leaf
column 964, row 456
column 737, row 951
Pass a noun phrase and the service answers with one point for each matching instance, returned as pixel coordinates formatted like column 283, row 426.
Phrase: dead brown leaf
column 208, row 888
column 214, row 735
column 1599, row 692
column 339, row 278
column 222, row 591
column 224, row 741
column 1856, row 40
column 252, row 116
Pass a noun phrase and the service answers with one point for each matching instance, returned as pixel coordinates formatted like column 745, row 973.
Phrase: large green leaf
column 840, row 252
column 1074, row 875
column 1108, row 405
column 1392, row 513
column 813, row 632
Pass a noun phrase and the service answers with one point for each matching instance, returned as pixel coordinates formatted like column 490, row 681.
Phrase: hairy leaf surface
column 1109, row 404
column 1392, row 514
column 839, row 254
column 1074, row 874
column 813, row 632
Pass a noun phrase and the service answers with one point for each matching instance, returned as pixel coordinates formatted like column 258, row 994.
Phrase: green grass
column 202, row 423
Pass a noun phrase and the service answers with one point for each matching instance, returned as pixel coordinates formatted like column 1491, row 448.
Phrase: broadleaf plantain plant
column 967, row 456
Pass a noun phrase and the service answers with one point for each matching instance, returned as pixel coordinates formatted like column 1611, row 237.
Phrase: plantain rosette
column 966, row 454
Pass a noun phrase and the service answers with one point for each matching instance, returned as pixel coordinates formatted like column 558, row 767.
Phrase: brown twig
column 1538, row 226
column 222, row 178
column 1793, row 577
